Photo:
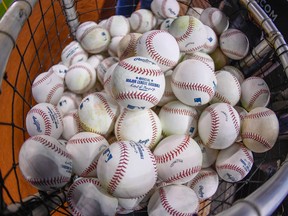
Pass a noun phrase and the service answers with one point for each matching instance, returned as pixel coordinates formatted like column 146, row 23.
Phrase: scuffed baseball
column 127, row 46
column 211, row 42
column 165, row 25
column 242, row 113
column 201, row 56
column 113, row 46
column 59, row 69
column 71, row 124
column 142, row 20
column 235, row 71
column 118, row 25
column 73, row 53
column 107, row 84
column 219, row 58
column 103, row 67
column 165, row 9
column 68, row 102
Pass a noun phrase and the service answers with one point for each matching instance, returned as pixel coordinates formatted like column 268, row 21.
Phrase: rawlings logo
column 143, row 142
column 131, row 107
column 61, row 103
column 81, row 105
column 138, row 148
column 200, row 191
column 176, row 161
column 37, row 124
column 53, row 117
column 144, row 60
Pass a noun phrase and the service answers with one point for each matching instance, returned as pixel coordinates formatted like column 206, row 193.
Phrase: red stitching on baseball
column 154, row 54
column 237, row 84
column 120, row 170
column 75, row 55
column 48, row 181
column 109, row 23
column 46, row 76
column 83, row 67
column 183, row 174
column 87, row 31
column 200, row 177
column 194, row 86
column 119, row 124
column 194, row 49
column 130, row 47
column 168, row 156
column 153, row 126
column 91, row 168
column 257, row 138
column 76, row 118
column 46, row 119
column 229, row 33
column 85, row 140
column 140, row 21
column 163, row 5
column 106, row 106
column 52, row 91
column 168, row 94
column 215, row 122
column 107, row 81
column 221, row 98
column 188, row 31
column 259, row 114
column 255, row 96
column 179, row 111
column 51, row 146
column 137, row 95
column 139, row 70
column 234, row 168
column 247, row 153
column 232, row 52
column 87, row 128
column 234, row 119
column 212, row 10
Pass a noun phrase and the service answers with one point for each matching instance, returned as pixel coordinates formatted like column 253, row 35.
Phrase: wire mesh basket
column 32, row 37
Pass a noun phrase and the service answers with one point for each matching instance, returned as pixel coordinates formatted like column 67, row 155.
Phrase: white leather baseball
column 107, row 84
column 118, row 25
column 234, row 162
column 86, row 145
column 103, row 67
column 165, row 8
column 121, row 168
column 219, row 58
column 205, row 184
column 113, row 46
column 153, row 44
column 127, row 46
column 73, row 53
column 215, row 19
column 189, row 32
column 138, row 83
column 228, row 88
column 173, row 200
column 165, row 25
column 47, row 87
column 83, row 27
column 178, row 159
column 201, row 56
column 95, row 39
column 254, row 93
column 235, row 71
column 142, row 20
column 193, row 82
column 234, row 44
column 211, row 42
column 219, row 126
column 209, row 154
column 168, row 94
column 143, row 127
column 98, row 112
column 59, row 69
column 68, row 102
column 44, row 119
column 71, row 124
column 260, row 129
column 94, row 60
column 39, row 151
column 242, row 113
column 85, row 197
column 178, row 118
column 80, row 77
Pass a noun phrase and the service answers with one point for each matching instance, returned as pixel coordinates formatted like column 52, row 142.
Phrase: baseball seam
column 42, row 79
column 183, row 174
column 234, row 119
column 232, row 52
column 187, row 33
column 139, row 22
column 86, row 140
column 137, row 95
column 257, row 138
column 106, row 106
column 130, row 47
column 179, row 111
column 255, row 96
column 221, row 98
column 260, row 114
column 200, row 177
column 153, row 127
column 52, row 91
column 48, row 181
column 118, row 125
column 92, row 167
column 227, row 34
column 71, row 60
column 247, row 153
column 232, row 167
column 89, row 129
column 215, row 122
column 140, row 70
column 45, row 117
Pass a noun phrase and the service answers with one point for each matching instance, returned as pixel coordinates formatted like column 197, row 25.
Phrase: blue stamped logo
column 198, row 101
column 132, row 107
column 37, row 124
column 82, row 104
column 143, row 84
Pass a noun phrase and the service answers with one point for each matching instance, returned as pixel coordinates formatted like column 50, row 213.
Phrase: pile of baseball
column 146, row 111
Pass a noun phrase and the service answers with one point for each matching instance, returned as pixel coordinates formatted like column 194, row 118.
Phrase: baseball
column 234, row 44
column 215, row 19
column 47, row 87
column 73, row 53
column 189, row 33
column 113, row 46
column 173, row 200
column 107, row 79
column 165, row 25
column 138, row 83
column 193, row 82
column 165, row 9
column 85, row 197
column 201, row 56
column 40, row 151
column 44, row 119
column 211, row 42
column 71, row 124
column 153, row 44
column 118, row 25
column 59, row 69
column 234, row 162
column 219, row 126
column 178, row 118
column 254, row 93
column 142, row 20
column 86, row 145
column 127, row 45
column 121, row 168
column 178, row 158
column 94, row 60
column 168, row 94
column 80, row 77
column 205, row 184
column 219, row 58
column 98, row 112
column 68, row 102
column 242, row 113
column 260, row 129
column 83, row 27
column 143, row 127
column 209, row 154
column 228, row 88
column 235, row 71
column 103, row 67
column 94, row 39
